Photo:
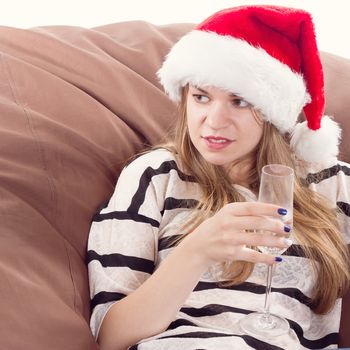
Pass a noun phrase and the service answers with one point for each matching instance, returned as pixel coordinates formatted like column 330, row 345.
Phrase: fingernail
column 282, row 211
column 288, row 242
column 278, row 259
column 287, row 228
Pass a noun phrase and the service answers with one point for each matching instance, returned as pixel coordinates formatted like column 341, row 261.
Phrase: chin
column 216, row 159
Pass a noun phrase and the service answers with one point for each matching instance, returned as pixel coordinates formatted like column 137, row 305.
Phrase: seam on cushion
column 41, row 152
column 71, row 277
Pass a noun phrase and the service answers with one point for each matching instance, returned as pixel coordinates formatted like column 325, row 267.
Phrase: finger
column 254, row 256
column 259, row 239
column 255, row 209
column 256, row 223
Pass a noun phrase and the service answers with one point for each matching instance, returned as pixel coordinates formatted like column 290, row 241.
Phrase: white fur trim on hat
column 208, row 59
column 316, row 146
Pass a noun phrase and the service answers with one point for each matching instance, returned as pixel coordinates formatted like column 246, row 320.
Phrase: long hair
column 315, row 222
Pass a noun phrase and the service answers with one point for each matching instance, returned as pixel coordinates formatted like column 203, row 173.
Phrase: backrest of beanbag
column 337, row 91
column 74, row 105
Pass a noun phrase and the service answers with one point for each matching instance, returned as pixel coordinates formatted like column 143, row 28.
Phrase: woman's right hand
column 226, row 235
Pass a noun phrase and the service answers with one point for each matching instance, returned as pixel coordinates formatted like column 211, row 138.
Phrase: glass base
column 261, row 324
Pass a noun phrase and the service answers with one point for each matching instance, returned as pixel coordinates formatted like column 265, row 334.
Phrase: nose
column 218, row 116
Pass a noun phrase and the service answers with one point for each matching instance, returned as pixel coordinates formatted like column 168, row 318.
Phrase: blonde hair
column 315, row 222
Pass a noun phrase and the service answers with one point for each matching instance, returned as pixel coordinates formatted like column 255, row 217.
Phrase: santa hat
column 267, row 55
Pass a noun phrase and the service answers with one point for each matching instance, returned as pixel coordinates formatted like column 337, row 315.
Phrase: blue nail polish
column 282, row 211
column 278, row 259
column 287, row 228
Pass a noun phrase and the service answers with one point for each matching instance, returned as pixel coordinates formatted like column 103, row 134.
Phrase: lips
column 217, row 139
column 217, row 142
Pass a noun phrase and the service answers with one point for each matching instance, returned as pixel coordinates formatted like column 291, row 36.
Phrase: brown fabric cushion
column 74, row 105
column 337, row 88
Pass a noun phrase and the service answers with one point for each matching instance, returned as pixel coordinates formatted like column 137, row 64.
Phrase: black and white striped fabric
column 133, row 234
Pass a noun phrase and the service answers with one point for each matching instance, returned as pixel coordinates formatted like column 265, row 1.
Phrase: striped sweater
column 133, row 234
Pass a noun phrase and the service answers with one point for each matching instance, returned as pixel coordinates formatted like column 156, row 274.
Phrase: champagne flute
column 276, row 187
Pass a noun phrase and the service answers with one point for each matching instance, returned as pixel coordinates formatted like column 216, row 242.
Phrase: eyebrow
column 207, row 93
column 201, row 90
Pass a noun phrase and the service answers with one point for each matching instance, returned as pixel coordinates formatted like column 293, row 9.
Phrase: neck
column 239, row 172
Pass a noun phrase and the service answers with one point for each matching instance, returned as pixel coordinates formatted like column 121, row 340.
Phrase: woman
column 172, row 258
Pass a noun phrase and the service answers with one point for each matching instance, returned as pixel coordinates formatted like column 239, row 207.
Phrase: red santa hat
column 267, row 55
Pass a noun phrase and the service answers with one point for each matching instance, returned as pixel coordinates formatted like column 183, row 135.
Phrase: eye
column 200, row 98
column 239, row 102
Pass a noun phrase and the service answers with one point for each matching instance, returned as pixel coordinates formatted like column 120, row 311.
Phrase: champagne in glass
column 276, row 187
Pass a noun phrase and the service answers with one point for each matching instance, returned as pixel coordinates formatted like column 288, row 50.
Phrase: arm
column 343, row 196
column 152, row 307
column 344, row 334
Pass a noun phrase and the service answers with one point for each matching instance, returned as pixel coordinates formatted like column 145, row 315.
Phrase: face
column 221, row 126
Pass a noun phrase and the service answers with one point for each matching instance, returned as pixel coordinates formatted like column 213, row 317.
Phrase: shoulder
column 332, row 172
column 156, row 162
column 332, row 180
column 153, row 159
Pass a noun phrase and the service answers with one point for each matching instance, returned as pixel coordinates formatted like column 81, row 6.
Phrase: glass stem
column 270, row 270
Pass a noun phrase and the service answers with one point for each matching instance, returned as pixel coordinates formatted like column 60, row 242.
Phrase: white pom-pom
column 318, row 146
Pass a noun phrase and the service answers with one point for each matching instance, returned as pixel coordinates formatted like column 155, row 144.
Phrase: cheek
column 258, row 131
column 254, row 131
column 257, row 135
column 191, row 124
column 194, row 117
